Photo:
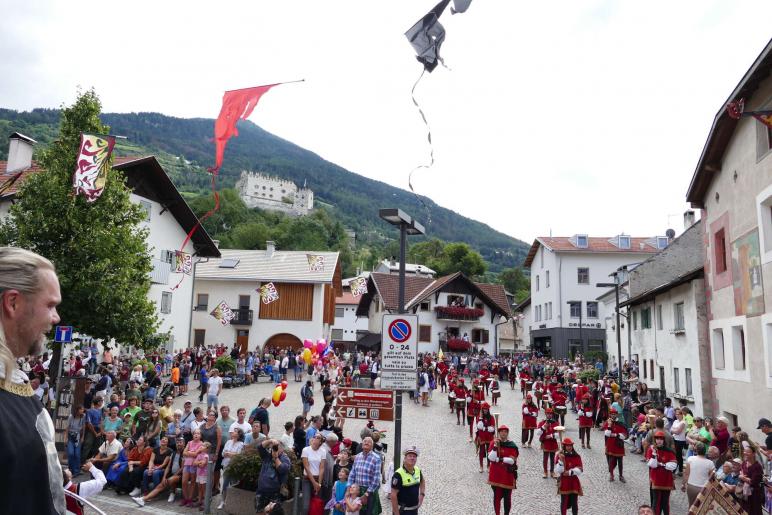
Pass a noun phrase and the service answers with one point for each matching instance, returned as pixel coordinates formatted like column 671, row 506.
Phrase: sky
column 562, row 117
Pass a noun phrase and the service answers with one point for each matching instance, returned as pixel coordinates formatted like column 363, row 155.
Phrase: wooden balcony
column 458, row 313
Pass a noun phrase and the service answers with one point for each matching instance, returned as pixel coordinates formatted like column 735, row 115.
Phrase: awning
column 370, row 341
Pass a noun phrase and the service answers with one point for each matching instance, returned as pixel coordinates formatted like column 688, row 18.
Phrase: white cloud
column 563, row 116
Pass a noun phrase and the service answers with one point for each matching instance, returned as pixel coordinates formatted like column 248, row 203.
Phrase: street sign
column 365, row 404
column 63, row 334
column 399, row 379
column 399, row 349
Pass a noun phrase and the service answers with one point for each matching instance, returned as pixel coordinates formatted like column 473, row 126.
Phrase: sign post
column 399, row 352
column 365, row 403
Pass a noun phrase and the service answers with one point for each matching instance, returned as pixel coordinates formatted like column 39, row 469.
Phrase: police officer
column 408, row 487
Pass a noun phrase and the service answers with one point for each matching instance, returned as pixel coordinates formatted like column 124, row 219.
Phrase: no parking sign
column 399, row 350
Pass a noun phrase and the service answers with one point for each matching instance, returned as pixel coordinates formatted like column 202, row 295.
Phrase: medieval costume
column 530, row 412
column 662, row 463
column 569, row 468
column 549, row 441
column 585, row 420
column 486, row 427
column 502, row 475
column 615, row 434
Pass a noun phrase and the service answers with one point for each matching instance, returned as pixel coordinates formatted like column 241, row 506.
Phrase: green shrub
column 593, row 355
column 244, row 468
column 225, row 364
column 589, row 375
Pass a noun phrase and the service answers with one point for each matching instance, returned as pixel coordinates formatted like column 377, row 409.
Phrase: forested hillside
column 185, row 149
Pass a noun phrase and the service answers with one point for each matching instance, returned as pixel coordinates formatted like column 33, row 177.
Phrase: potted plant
column 244, row 471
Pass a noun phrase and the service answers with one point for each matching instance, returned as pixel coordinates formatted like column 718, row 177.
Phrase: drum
column 495, row 394
column 460, row 403
column 561, row 410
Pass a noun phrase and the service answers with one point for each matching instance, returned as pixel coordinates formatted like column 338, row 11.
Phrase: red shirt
column 660, row 478
column 570, row 484
column 721, row 441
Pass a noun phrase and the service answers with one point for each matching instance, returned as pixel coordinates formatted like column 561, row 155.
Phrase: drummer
column 525, row 381
column 569, row 468
column 559, row 399
column 548, row 436
column 462, row 393
column 538, row 391
column 495, row 390
column 474, row 401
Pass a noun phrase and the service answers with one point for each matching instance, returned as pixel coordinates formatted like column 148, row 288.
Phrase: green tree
column 426, row 251
column 459, row 257
column 98, row 248
column 516, row 282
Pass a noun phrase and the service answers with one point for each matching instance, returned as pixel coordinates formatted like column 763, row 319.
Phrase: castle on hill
column 274, row 194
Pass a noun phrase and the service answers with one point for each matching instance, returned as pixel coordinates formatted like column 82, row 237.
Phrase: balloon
column 307, row 356
column 284, row 385
column 308, row 344
column 276, row 403
column 320, row 346
column 277, row 393
column 283, row 396
column 322, row 341
column 314, row 360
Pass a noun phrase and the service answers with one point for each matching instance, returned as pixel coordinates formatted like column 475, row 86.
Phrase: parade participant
column 29, row 294
column 569, row 468
column 452, row 385
column 585, row 420
column 495, row 391
column 525, row 381
column 538, row 391
column 502, row 474
column 662, row 463
column 512, row 374
column 549, row 441
column 559, row 403
column 84, row 489
column 485, row 375
column 615, row 434
column 581, row 389
column 408, row 485
column 530, row 412
column 474, row 402
column 486, row 426
column 462, row 393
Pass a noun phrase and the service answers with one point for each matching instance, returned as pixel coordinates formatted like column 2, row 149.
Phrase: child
column 353, row 502
column 201, row 462
column 339, row 493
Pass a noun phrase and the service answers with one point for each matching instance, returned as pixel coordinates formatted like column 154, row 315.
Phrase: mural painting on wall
column 746, row 273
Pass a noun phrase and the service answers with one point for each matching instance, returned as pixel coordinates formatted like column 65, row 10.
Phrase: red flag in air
column 237, row 105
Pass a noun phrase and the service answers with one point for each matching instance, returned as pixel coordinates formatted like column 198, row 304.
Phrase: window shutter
column 484, row 336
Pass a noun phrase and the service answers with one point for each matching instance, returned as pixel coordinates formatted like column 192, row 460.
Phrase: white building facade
column 305, row 308
column 348, row 327
column 566, row 316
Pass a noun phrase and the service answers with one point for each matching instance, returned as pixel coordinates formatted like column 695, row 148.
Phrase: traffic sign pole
column 398, row 401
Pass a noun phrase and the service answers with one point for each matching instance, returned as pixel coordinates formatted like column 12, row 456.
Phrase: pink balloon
column 320, row 346
column 308, row 344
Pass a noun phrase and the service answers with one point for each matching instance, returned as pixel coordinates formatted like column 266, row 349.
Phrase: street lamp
column 407, row 225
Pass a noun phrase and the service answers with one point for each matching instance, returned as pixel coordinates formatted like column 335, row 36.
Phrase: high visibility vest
column 409, row 479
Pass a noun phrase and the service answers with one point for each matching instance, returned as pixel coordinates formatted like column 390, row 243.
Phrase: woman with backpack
column 423, row 387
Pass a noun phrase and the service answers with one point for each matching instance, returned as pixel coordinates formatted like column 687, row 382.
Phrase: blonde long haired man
column 29, row 295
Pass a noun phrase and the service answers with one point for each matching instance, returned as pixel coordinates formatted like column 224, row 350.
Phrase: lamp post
column 407, row 225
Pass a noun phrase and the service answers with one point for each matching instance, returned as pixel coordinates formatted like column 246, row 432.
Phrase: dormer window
column 581, row 241
column 624, row 242
column 661, row 242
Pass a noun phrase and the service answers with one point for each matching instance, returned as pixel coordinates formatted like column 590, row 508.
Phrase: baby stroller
column 166, row 391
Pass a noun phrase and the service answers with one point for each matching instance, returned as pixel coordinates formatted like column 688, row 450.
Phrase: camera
column 276, row 448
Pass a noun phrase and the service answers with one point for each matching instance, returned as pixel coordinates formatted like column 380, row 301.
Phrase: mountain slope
column 185, row 148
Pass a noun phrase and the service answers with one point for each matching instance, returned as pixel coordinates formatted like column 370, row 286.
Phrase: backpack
column 421, row 380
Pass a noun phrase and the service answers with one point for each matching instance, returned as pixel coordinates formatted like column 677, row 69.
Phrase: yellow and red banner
column 93, row 162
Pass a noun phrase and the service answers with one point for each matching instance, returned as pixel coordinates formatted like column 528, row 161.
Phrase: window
column 166, row 302
column 574, row 347
column 688, row 378
column 678, row 316
column 576, row 309
column 718, row 349
column 480, row 336
column 339, row 312
column 659, row 317
column 676, row 380
column 547, row 279
column 635, row 320
column 199, row 335
column 377, row 304
column 738, row 347
column 148, row 207
column 244, row 301
column 624, row 242
column 337, row 334
column 549, row 311
column 538, row 313
column 167, row 256
column 651, row 369
column 479, row 305
column 424, row 333
column 583, row 275
column 720, row 250
column 763, row 139
column 592, row 310
column 229, row 263
column 424, row 306
column 646, row 318
column 202, row 302
column 581, row 241
column 595, row 345
column 645, row 374
column 537, row 283
column 662, row 242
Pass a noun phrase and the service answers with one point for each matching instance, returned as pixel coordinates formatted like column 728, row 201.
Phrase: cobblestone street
column 455, row 487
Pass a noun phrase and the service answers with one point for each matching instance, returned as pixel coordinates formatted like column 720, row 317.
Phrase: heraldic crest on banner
column 183, row 262
column 268, row 293
column 358, row 286
column 315, row 263
column 93, row 161
column 223, row 313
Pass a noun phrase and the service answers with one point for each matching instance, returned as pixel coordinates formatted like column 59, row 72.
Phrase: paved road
column 455, row 487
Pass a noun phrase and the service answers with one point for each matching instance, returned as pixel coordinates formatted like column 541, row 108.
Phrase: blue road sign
column 399, row 330
column 63, row 334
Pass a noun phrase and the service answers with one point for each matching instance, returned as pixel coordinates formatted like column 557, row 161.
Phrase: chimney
column 688, row 218
column 19, row 152
column 270, row 247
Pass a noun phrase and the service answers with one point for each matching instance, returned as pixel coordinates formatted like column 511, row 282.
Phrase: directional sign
column 365, row 404
column 63, row 334
column 399, row 379
column 399, row 350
